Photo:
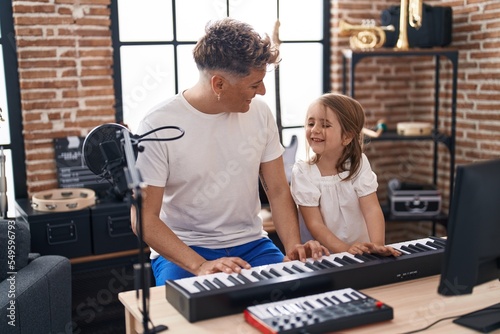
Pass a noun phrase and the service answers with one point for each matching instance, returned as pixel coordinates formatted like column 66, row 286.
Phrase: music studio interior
column 77, row 73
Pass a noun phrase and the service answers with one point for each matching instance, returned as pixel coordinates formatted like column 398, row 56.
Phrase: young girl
column 335, row 189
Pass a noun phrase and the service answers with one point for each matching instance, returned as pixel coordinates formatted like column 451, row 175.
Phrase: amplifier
column 436, row 29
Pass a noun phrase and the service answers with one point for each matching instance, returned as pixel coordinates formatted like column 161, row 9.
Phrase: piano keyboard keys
column 201, row 296
column 233, row 280
column 332, row 310
column 262, row 273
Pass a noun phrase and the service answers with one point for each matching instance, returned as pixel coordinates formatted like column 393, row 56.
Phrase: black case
column 111, row 229
column 57, row 233
column 412, row 199
column 436, row 29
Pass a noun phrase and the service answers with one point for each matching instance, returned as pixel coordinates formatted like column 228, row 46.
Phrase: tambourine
column 414, row 129
column 62, row 200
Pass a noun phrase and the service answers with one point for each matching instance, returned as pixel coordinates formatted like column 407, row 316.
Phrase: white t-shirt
column 338, row 200
column 210, row 174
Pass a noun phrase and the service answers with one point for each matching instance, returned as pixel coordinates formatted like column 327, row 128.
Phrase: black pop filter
column 110, row 136
column 104, row 151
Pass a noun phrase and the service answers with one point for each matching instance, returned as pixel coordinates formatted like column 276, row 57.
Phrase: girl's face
column 323, row 131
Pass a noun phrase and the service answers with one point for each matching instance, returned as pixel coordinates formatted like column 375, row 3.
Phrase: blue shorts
column 257, row 253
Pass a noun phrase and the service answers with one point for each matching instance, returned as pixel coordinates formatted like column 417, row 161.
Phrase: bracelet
column 381, row 126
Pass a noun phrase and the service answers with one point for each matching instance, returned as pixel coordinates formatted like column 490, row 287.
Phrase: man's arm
column 284, row 212
column 162, row 239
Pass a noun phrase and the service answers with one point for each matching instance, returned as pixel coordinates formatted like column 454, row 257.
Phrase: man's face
column 239, row 92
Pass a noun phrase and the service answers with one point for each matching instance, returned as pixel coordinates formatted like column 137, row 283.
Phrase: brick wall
column 402, row 90
column 65, row 70
column 396, row 89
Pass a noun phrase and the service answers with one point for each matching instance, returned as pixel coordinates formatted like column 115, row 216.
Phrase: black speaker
column 435, row 30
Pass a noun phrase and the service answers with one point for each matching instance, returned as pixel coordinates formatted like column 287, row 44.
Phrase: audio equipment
column 320, row 313
column 104, row 157
column 209, row 296
column 104, row 153
column 110, row 151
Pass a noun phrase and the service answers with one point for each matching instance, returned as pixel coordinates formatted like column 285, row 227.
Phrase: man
column 201, row 203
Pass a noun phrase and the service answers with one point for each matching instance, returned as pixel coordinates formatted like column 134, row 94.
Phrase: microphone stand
column 142, row 269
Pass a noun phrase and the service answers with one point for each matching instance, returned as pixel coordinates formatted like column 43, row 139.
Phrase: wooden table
column 416, row 304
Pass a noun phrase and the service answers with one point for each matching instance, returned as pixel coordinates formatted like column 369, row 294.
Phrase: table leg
column 129, row 323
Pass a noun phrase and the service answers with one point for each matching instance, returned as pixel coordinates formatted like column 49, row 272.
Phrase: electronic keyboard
column 320, row 313
column 209, row 296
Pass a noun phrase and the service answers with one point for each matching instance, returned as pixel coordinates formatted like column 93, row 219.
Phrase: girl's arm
column 284, row 213
column 319, row 231
column 374, row 218
column 375, row 223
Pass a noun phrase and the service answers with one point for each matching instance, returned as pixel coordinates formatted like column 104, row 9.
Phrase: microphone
column 104, row 157
column 104, row 153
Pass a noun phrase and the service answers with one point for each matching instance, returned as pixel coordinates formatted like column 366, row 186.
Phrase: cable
column 141, row 137
column 429, row 326
column 452, row 317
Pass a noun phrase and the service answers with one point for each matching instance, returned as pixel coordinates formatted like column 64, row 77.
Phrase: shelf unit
column 350, row 58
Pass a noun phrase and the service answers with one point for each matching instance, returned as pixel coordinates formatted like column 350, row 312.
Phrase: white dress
column 338, row 200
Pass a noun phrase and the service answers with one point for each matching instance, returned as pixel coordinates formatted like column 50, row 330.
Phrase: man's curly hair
column 233, row 46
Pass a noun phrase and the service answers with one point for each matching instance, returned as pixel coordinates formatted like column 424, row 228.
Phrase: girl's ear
column 347, row 138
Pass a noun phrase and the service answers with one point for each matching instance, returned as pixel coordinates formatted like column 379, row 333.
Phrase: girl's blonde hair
column 351, row 117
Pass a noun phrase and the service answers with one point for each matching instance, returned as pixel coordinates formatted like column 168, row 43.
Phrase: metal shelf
column 392, row 135
column 350, row 58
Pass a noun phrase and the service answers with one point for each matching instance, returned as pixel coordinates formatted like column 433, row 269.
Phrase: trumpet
column 364, row 36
